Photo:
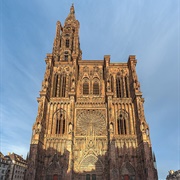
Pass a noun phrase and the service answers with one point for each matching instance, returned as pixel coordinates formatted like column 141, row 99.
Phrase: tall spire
column 57, row 40
column 58, row 29
column 72, row 11
column 66, row 43
column 71, row 15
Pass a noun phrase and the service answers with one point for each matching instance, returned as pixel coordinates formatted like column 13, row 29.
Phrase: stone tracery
column 91, row 122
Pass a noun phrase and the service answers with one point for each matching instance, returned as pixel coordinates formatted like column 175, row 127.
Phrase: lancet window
column 122, row 86
column 88, row 176
column 72, row 46
column 59, row 120
column 67, row 43
column 127, row 86
column 96, row 87
column 86, row 87
column 59, row 88
column 123, row 123
column 112, row 84
column 118, row 86
column 93, row 176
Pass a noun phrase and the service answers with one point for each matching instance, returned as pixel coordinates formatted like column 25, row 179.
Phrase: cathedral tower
column 90, row 123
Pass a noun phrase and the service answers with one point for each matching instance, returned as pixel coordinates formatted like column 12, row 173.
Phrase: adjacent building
column 17, row 167
column 12, row 167
column 4, row 166
column 90, row 123
column 173, row 175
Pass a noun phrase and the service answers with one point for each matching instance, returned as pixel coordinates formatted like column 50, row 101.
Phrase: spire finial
column 71, row 15
column 58, row 28
column 72, row 9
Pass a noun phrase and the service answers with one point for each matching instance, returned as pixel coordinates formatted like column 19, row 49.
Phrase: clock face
column 91, row 122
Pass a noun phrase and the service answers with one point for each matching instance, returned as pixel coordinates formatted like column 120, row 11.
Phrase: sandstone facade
column 90, row 122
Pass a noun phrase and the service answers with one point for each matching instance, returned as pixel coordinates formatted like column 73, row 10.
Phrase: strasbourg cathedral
column 90, row 123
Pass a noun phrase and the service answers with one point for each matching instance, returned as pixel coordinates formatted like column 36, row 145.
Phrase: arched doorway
column 55, row 177
column 91, row 177
column 91, row 168
column 127, row 172
column 126, row 177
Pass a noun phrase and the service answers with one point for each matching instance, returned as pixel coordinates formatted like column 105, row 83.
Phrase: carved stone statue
column 73, row 85
column 40, row 110
column 70, row 128
column 111, row 128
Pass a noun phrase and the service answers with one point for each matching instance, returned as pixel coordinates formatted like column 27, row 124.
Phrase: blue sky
column 148, row 29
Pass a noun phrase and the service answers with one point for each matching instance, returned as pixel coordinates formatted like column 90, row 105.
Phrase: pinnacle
column 71, row 16
column 72, row 11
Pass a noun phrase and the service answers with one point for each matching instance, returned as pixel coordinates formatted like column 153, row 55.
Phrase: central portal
column 90, row 176
column 90, row 144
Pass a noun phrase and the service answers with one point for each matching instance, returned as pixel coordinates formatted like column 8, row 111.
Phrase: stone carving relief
column 45, row 85
column 135, row 78
column 96, row 69
column 127, row 169
column 91, row 122
column 46, row 81
column 108, row 86
column 66, row 69
column 140, row 107
column 111, row 128
column 91, row 163
column 70, row 128
column 122, row 114
column 40, row 111
column 91, row 72
column 86, row 69
column 115, row 173
column 38, row 128
column 72, row 84
column 115, row 70
column 55, row 167
column 38, row 125
column 144, row 128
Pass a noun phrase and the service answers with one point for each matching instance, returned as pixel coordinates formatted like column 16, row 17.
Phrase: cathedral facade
column 90, row 123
